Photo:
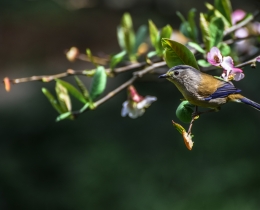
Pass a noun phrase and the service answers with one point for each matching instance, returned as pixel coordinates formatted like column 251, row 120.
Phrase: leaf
column 185, row 29
column 73, row 91
column 98, row 83
column 181, row 16
column 151, row 54
column 216, row 28
column 203, row 63
column 196, row 47
column 184, row 112
column 224, row 49
column 128, row 36
column 166, row 32
column 83, row 89
column 140, row 36
column 177, row 54
column 204, row 25
column 89, row 54
column 63, row 97
column 117, row 59
column 52, row 100
column 192, row 25
column 154, row 35
column 120, row 37
column 224, row 7
column 64, row 116
column 215, row 13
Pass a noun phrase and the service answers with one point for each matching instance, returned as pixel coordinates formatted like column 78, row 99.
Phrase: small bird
column 204, row 90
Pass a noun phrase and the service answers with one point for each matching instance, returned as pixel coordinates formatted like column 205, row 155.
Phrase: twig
column 241, row 24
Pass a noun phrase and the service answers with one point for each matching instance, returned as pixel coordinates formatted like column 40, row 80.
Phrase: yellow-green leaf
column 98, row 84
column 52, row 100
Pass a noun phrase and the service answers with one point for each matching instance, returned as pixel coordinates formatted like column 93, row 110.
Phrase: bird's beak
column 163, row 76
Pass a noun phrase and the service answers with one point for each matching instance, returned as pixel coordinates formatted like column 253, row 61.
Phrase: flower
column 237, row 16
column 230, row 72
column 214, row 56
column 258, row 59
column 135, row 105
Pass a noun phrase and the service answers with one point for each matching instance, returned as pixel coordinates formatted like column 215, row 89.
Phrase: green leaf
column 177, row 54
column 184, row 112
column 64, row 116
column 141, row 34
column 215, row 13
column 203, row 63
column 83, row 89
column 120, row 37
column 181, row 17
column 204, row 25
column 224, row 49
column 166, row 32
column 151, row 54
column 63, row 97
column 89, row 54
column 128, row 36
column 224, row 7
column 216, row 28
column 52, row 100
column 73, row 91
column 117, row 59
column 192, row 25
column 185, row 29
column 154, row 35
column 98, row 83
column 196, row 47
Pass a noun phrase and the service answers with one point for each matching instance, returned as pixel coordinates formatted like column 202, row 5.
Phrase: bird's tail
column 250, row 103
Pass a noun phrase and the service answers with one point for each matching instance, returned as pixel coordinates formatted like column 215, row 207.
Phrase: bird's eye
column 176, row 73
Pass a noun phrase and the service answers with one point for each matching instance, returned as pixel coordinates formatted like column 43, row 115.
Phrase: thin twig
column 241, row 24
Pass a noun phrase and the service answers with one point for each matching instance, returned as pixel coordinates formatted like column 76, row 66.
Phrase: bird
column 204, row 90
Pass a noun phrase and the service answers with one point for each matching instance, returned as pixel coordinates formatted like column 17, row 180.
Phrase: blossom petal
column 124, row 110
column 214, row 56
column 239, row 76
column 241, row 33
column 237, row 16
column 134, row 113
column 227, row 63
column 258, row 59
column 146, row 102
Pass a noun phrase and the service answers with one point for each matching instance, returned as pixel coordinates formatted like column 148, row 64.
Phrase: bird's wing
column 223, row 91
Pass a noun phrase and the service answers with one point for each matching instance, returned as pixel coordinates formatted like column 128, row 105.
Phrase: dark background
column 101, row 160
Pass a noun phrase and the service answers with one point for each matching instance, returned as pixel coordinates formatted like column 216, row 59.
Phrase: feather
column 226, row 89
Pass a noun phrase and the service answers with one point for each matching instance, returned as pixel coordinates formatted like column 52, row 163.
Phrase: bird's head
column 178, row 74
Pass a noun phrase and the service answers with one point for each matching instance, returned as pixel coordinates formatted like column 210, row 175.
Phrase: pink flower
column 237, row 16
column 258, row 59
column 214, row 56
column 135, row 105
column 230, row 72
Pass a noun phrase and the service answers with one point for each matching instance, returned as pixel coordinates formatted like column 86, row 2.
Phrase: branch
column 241, row 24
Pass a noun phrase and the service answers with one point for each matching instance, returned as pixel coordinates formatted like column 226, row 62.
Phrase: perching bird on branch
column 204, row 90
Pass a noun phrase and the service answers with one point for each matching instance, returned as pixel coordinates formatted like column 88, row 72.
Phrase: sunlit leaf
column 117, row 59
column 216, row 28
column 120, row 37
column 63, row 97
column 83, row 88
column 73, row 91
column 177, row 54
column 196, row 47
column 204, row 25
column 98, row 84
column 141, row 34
column 128, row 35
column 89, row 54
column 192, row 25
column 52, row 100
column 64, row 116
column 166, row 32
column 151, row 54
column 154, row 35
column 184, row 112
column 224, row 7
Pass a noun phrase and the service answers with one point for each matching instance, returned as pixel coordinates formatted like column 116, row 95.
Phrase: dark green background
column 101, row 160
